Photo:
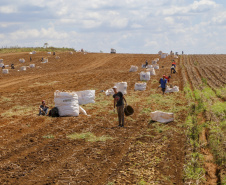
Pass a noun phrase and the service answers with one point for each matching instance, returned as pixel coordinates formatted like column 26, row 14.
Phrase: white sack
column 174, row 89
column 85, row 97
column 57, row 57
column 143, row 66
column 82, row 111
column 6, row 65
column 156, row 59
column 133, row 69
column 1, row 60
column 140, row 86
column 23, row 68
column 1, row 64
column 156, row 66
column 21, row 60
column 144, row 76
column 109, row 92
column 33, row 52
column 162, row 117
column 151, row 71
column 154, row 62
column 45, row 60
column 122, row 87
column 163, row 55
column 32, row 65
column 149, row 66
column 5, row 71
column 49, row 53
column 67, row 103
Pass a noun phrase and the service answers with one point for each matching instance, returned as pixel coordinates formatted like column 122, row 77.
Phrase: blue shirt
column 163, row 83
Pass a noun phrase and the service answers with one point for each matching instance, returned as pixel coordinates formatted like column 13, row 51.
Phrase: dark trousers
column 43, row 111
column 120, row 110
column 173, row 70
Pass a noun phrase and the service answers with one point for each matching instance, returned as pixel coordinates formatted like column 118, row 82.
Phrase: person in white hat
column 119, row 103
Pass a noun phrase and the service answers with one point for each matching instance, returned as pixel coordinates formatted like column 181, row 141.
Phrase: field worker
column 163, row 82
column 30, row 59
column 146, row 63
column 174, row 64
column 168, row 78
column 43, row 109
column 173, row 70
column 119, row 103
column 12, row 66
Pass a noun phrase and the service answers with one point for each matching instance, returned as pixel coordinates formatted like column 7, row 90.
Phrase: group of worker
column 163, row 81
column 119, row 98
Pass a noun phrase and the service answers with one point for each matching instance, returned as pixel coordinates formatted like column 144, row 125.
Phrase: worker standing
column 119, row 100
column 146, row 63
column 173, row 70
column 163, row 82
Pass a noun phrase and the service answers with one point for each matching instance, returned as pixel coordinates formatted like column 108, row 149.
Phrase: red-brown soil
column 140, row 152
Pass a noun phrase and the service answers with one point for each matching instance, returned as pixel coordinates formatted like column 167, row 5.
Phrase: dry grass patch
column 88, row 136
column 19, row 111
column 43, row 84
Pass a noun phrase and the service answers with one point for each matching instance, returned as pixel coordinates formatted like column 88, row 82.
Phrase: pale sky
column 129, row 26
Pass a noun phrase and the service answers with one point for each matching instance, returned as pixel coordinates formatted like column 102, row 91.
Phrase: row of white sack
column 34, row 52
column 122, row 87
column 23, row 68
column 135, row 68
column 68, row 103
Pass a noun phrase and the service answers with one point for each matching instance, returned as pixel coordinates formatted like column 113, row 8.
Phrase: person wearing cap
column 43, row 109
column 163, row 82
column 119, row 100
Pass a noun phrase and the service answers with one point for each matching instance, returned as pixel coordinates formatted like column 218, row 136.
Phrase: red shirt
column 167, row 78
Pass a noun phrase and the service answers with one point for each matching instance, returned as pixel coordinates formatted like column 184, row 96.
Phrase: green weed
column 219, row 109
column 48, row 137
column 5, row 99
column 88, row 136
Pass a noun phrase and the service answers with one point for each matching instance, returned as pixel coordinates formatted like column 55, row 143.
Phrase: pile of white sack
column 68, row 103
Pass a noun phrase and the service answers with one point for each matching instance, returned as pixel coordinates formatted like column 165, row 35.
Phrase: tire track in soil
column 17, row 147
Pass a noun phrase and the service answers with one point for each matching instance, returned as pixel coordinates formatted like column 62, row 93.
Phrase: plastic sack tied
column 162, row 117
column 67, row 103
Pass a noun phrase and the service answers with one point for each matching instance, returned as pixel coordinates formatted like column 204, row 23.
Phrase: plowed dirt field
column 37, row 150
